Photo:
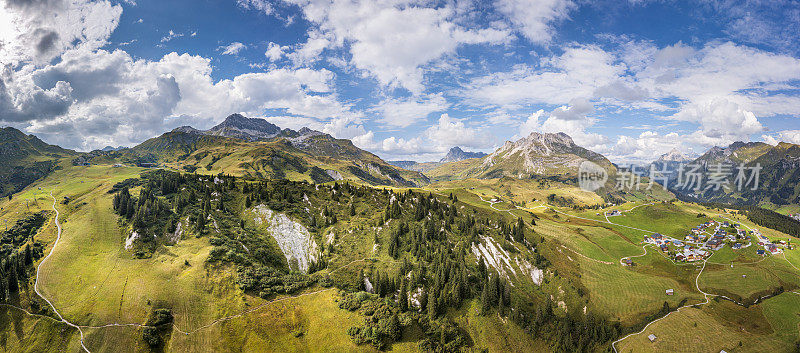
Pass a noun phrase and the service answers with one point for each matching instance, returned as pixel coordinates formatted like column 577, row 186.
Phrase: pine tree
column 13, row 281
column 403, row 296
column 28, row 255
column 432, row 307
column 485, row 302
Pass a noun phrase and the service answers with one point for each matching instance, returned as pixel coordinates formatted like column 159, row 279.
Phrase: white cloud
column 170, row 36
column 258, row 5
column 405, row 112
column 721, row 88
column 431, row 143
column 233, row 48
column 790, row 136
column 391, row 40
column 645, row 148
column 578, row 72
column 274, row 52
column 42, row 30
column 309, row 52
column 572, row 119
column 534, row 19
column 721, row 122
column 99, row 98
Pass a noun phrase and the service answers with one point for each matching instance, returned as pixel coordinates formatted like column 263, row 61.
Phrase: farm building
column 652, row 337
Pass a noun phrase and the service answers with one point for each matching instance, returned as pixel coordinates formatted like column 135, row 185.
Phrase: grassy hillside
column 25, row 159
column 229, row 285
column 318, row 158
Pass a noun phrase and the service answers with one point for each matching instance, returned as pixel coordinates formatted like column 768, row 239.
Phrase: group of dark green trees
column 17, row 255
column 430, row 238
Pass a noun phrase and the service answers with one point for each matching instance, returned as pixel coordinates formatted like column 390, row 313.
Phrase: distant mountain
column 110, row 148
column 255, row 147
column 779, row 174
column 457, row 154
column 403, row 164
column 668, row 164
column 673, row 155
column 25, row 159
column 238, row 126
column 535, row 155
column 738, row 152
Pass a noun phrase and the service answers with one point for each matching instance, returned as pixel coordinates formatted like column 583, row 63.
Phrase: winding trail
column 39, row 268
column 80, row 328
column 706, row 295
column 696, row 283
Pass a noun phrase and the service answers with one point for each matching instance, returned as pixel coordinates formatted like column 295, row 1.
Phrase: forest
column 428, row 273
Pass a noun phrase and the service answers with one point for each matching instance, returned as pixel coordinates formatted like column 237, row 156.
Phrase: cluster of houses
column 713, row 236
column 689, row 251
column 769, row 246
column 613, row 213
column 796, row 216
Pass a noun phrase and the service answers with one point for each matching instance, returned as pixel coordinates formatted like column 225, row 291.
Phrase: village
column 701, row 241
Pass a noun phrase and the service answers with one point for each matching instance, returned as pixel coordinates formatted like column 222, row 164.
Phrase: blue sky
column 408, row 79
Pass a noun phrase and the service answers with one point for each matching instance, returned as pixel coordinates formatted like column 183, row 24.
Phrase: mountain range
column 778, row 174
column 255, row 147
column 535, row 155
column 25, row 159
column 455, row 154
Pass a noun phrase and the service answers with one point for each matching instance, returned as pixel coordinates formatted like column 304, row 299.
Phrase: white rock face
column 498, row 258
column 334, row 174
column 131, row 238
column 536, row 274
column 494, row 255
column 174, row 237
column 293, row 238
column 368, row 286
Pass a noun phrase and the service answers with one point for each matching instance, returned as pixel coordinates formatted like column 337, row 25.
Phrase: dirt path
column 38, row 270
column 80, row 328
column 696, row 283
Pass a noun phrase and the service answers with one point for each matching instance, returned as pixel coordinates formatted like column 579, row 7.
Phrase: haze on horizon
column 408, row 79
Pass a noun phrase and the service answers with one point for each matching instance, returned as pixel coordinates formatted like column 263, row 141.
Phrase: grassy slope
column 93, row 281
column 91, row 288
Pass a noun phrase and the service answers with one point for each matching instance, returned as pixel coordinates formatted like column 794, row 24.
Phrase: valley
column 217, row 247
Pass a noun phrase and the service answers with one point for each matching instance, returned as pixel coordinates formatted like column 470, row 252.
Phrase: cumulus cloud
column 258, row 5
column 274, row 52
column 405, row 112
column 170, row 36
column 39, row 31
column 431, row 143
column 578, row 72
column 232, row 49
column 535, row 19
column 720, row 88
column 390, row 41
column 572, row 119
column 790, row 136
column 643, row 149
column 721, row 122
column 100, row 97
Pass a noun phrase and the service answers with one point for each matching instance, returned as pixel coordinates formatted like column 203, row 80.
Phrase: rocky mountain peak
column 559, row 138
column 186, row 129
column 239, row 126
column 457, row 154
column 673, row 156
